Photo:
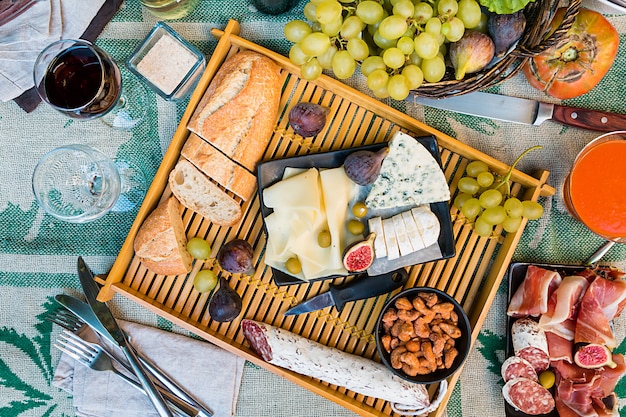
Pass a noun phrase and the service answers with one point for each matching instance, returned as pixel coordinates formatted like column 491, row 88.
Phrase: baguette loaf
column 239, row 109
column 219, row 167
column 196, row 192
column 161, row 243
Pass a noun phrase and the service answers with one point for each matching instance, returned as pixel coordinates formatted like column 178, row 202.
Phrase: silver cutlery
column 97, row 358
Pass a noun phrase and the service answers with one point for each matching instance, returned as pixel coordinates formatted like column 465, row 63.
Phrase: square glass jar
column 167, row 63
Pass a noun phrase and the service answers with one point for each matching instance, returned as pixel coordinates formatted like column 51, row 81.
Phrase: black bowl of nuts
column 423, row 335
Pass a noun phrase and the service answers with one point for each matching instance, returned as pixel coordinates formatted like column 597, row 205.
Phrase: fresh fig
column 236, row 257
column 225, row 303
column 471, row 53
column 308, row 119
column 593, row 355
column 360, row 255
column 505, row 30
column 363, row 167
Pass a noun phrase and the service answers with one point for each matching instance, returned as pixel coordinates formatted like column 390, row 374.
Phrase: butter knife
column 105, row 317
column 83, row 311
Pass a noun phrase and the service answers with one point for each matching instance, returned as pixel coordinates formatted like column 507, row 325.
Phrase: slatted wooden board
column 472, row 276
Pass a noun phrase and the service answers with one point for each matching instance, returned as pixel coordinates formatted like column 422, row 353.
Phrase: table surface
column 38, row 254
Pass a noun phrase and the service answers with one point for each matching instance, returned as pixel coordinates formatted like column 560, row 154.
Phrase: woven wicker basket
column 533, row 41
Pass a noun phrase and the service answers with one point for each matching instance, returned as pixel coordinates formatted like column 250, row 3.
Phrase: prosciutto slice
column 559, row 348
column 563, row 306
column 531, row 298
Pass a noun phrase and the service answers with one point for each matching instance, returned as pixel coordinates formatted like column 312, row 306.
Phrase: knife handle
column 367, row 287
column 600, row 121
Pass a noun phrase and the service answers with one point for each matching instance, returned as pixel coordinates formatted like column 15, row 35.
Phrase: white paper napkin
column 211, row 374
column 24, row 37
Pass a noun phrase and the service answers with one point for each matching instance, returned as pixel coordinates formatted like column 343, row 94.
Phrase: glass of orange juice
column 595, row 189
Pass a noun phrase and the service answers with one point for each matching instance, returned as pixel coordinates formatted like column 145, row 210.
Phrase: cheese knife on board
column 361, row 287
column 524, row 111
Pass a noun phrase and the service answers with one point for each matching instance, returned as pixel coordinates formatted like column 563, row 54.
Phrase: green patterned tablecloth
column 38, row 254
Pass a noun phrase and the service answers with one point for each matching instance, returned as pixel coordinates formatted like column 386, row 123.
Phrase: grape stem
column 507, row 177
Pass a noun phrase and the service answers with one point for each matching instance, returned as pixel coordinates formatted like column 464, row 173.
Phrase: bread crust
column 219, row 167
column 239, row 109
column 160, row 242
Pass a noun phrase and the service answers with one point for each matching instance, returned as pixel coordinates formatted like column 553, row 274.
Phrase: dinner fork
column 97, row 358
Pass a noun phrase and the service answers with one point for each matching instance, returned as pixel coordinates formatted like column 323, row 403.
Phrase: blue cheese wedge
column 409, row 175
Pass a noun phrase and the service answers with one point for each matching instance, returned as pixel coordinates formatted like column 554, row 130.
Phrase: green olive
column 356, row 227
column 547, row 379
column 359, row 209
column 323, row 239
column 293, row 265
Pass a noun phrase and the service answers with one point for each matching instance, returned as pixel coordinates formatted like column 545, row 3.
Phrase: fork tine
column 76, row 345
column 65, row 319
column 72, row 353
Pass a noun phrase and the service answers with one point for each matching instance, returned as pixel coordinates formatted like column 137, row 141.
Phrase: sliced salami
column 356, row 373
column 528, row 396
column 530, row 343
column 516, row 367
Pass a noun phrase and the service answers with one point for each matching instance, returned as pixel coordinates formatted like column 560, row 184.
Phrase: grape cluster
column 486, row 201
column 398, row 43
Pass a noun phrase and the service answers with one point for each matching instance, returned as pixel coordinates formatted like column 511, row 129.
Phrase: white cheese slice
column 404, row 244
column 375, row 225
column 427, row 224
column 409, row 175
column 412, row 231
column 393, row 251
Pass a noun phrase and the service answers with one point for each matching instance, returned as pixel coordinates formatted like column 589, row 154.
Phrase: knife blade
column 106, row 319
column 83, row 311
column 524, row 111
column 361, row 287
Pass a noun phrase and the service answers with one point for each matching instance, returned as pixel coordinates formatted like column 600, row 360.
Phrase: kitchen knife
column 359, row 288
column 83, row 311
column 521, row 110
column 106, row 319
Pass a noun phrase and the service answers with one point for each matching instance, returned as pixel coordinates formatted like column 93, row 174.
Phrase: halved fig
column 593, row 355
column 360, row 255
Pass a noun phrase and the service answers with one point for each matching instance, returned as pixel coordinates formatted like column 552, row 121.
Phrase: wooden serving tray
column 472, row 276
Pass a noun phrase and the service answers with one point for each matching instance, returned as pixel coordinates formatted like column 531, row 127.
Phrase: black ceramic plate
column 516, row 274
column 271, row 172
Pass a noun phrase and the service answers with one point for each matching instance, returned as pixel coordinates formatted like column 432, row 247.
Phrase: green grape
column 494, row 215
column 316, row 2
column 392, row 27
column 482, row 228
column 311, row 70
column 471, row 208
column 485, row 179
column 404, row 8
column 513, row 207
column 460, row 199
column 332, row 28
column 358, row 49
column 423, row 12
column 370, row 12
column 447, row 8
column 469, row 12
column 426, row 45
column 433, row 26
column 315, row 44
column 414, row 75
column 205, row 280
column 490, row 198
column 309, row 11
column 328, row 11
column 326, row 59
column 372, row 63
column 351, row 27
column 415, row 59
column 482, row 25
column 296, row 30
column 406, row 45
column 393, row 58
column 343, row 65
column 383, row 42
column 532, row 210
column 453, row 29
column 511, row 224
column 296, row 55
column 398, row 87
column 377, row 79
column 476, row 167
column 381, row 92
column 434, row 69
column 198, row 248
column 468, row 185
